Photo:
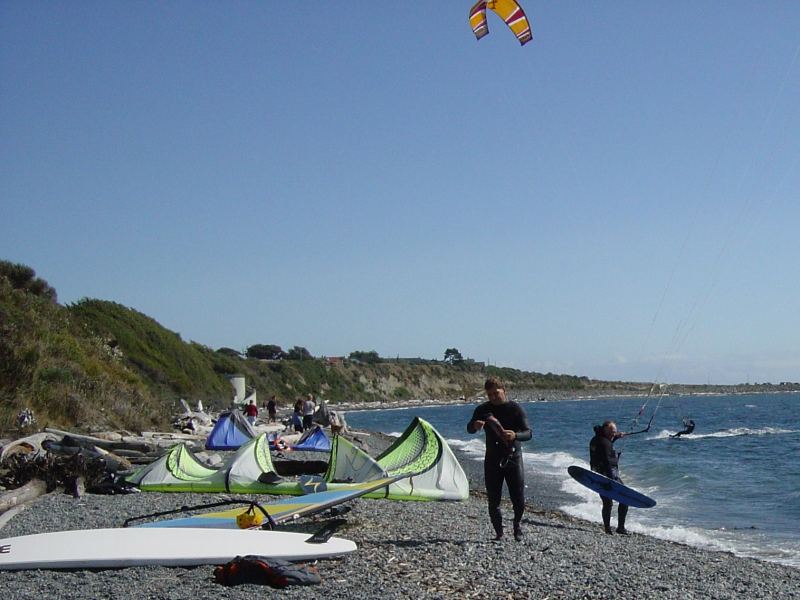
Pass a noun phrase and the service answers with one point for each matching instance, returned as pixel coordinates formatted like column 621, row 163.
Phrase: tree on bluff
column 298, row 353
column 453, row 356
column 229, row 352
column 369, row 358
column 265, row 352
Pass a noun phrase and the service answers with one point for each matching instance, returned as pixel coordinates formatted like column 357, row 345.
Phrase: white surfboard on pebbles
column 114, row 548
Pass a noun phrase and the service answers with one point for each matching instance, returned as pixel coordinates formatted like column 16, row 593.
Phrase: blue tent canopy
column 231, row 431
column 314, row 440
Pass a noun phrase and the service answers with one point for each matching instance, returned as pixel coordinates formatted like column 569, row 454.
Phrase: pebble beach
column 418, row 549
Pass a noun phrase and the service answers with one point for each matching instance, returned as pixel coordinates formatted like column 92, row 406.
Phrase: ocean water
column 732, row 485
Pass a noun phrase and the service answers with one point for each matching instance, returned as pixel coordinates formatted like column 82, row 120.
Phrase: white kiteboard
column 127, row 547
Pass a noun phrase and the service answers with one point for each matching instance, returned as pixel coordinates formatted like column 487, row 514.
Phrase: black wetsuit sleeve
column 523, row 428
column 479, row 414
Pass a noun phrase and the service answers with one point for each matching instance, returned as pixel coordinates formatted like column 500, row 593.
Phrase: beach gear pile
column 433, row 470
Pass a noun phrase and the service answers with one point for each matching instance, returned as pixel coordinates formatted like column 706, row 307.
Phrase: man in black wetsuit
column 688, row 424
column 506, row 425
column 605, row 460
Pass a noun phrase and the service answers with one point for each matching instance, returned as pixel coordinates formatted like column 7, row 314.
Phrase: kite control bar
column 270, row 524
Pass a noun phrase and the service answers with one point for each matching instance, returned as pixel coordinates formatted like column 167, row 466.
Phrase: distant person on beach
column 506, row 425
column 688, row 424
column 25, row 418
column 605, row 460
column 251, row 412
column 297, row 416
column 272, row 409
column 309, row 406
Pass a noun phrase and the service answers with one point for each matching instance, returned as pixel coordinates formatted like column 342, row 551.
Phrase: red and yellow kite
column 508, row 10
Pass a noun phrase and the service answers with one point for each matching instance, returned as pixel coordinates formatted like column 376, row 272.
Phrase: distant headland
column 97, row 364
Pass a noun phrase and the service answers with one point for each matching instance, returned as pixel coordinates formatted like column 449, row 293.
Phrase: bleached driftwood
column 111, row 436
column 32, row 443
column 11, row 513
column 171, row 437
column 88, row 441
column 31, row 490
column 202, row 417
column 119, row 462
column 160, row 443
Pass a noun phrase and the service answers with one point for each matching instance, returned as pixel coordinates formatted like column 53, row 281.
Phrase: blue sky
column 616, row 199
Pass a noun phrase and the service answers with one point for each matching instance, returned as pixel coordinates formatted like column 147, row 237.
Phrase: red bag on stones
column 274, row 572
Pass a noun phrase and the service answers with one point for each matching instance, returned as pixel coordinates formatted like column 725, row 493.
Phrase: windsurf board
column 610, row 488
column 127, row 547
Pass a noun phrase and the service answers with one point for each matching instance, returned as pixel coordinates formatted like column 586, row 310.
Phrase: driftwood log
column 72, row 472
column 89, row 442
column 151, row 443
column 26, row 445
column 113, row 463
column 172, row 437
column 11, row 513
column 30, row 491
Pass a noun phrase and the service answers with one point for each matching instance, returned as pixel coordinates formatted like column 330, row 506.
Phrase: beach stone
column 418, row 549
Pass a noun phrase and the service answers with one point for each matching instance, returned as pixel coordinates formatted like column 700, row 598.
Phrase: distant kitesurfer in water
column 605, row 460
column 688, row 424
column 506, row 425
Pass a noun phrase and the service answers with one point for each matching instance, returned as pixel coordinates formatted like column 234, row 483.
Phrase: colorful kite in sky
column 508, row 10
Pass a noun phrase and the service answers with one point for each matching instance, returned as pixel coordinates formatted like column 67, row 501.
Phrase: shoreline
column 426, row 548
column 545, row 490
column 430, row 549
column 547, row 395
column 541, row 499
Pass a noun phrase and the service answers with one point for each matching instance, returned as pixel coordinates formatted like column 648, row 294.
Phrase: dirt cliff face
column 392, row 381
